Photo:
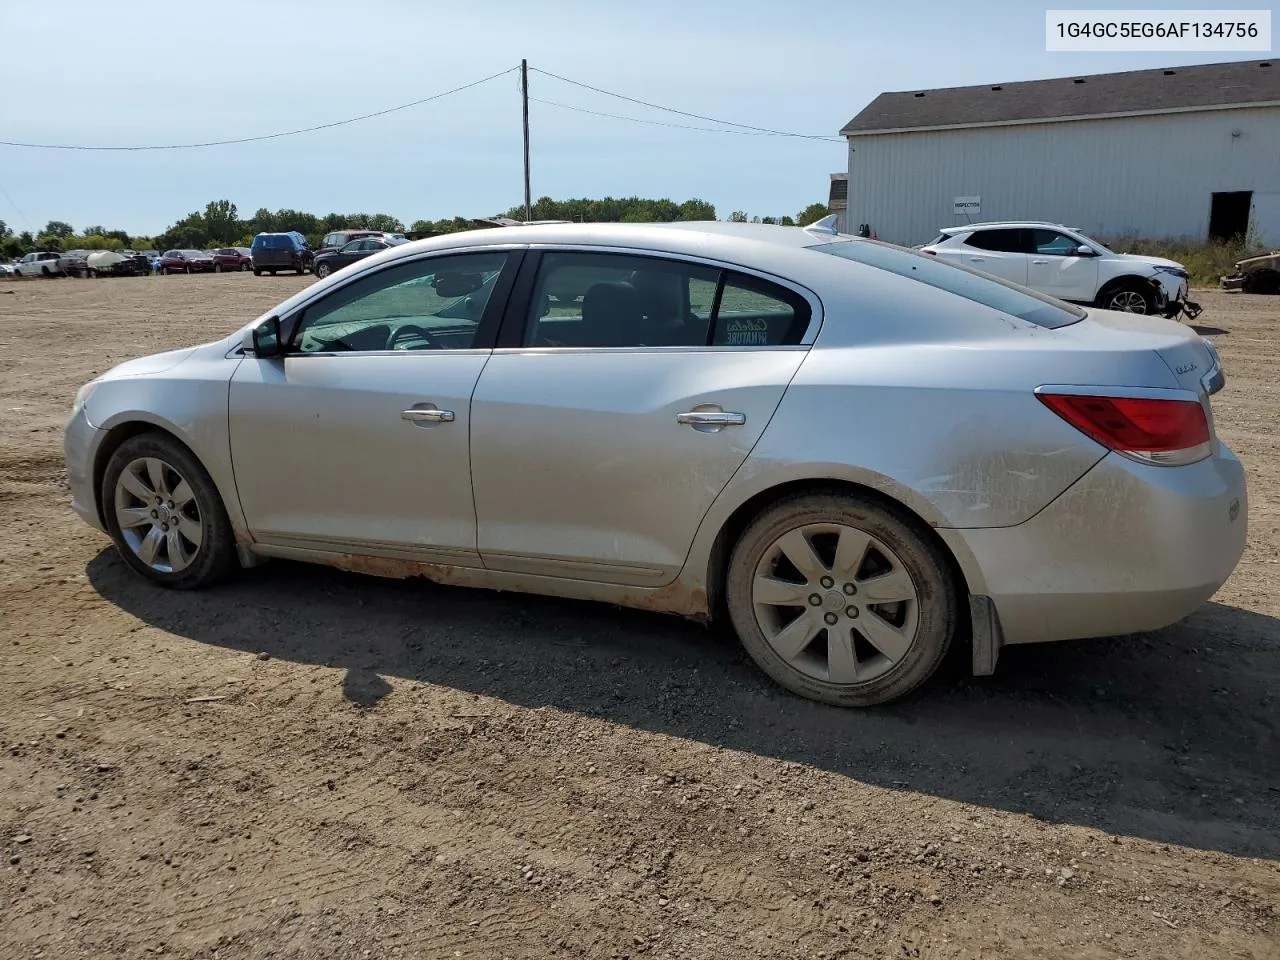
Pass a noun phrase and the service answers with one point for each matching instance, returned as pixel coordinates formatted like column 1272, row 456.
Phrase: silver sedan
column 855, row 453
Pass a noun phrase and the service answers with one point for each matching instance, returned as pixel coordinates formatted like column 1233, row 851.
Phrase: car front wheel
column 322, row 270
column 165, row 515
column 1129, row 298
column 840, row 599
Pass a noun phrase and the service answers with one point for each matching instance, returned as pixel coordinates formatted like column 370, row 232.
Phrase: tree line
column 220, row 224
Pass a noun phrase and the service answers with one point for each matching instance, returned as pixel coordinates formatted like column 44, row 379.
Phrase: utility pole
column 524, row 97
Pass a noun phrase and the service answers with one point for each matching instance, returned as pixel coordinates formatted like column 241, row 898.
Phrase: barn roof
column 1133, row 92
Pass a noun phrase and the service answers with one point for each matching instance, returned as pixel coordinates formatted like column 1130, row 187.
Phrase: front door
column 1057, row 268
column 634, row 388
column 357, row 440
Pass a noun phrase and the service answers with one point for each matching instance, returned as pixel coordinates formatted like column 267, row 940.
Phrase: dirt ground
column 306, row 763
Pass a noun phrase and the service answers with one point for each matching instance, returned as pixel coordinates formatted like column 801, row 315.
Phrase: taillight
column 1164, row 432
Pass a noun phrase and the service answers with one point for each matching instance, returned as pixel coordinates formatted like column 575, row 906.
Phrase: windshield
column 979, row 287
column 193, row 253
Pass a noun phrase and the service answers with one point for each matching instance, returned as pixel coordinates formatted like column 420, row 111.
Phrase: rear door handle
column 427, row 414
column 977, row 259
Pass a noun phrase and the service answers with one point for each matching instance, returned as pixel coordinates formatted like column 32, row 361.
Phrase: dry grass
column 1207, row 263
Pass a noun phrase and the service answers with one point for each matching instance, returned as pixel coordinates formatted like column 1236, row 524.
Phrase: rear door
column 1057, row 269
column 1000, row 252
column 625, row 392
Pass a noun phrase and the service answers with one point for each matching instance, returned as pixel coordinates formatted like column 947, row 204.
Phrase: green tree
column 787, row 222
column 737, row 217
column 811, row 214
column 12, row 246
column 221, row 220
column 59, row 229
column 5, row 229
column 48, row 241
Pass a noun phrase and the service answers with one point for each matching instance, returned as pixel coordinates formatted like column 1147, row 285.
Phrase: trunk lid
column 1192, row 360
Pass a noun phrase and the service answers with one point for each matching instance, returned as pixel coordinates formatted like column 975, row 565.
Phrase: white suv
column 1064, row 263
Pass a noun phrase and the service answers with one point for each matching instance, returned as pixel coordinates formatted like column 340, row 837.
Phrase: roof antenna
column 826, row 226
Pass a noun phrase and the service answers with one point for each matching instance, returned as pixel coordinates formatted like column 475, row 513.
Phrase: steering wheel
column 411, row 328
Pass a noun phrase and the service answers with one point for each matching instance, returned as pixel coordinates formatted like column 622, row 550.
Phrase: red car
column 232, row 258
column 185, row 261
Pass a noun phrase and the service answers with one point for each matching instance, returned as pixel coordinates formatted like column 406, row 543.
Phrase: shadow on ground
column 1170, row 736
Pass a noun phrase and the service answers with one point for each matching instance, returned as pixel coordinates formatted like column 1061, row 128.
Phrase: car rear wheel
column 217, row 268
column 840, row 599
column 165, row 515
column 322, row 270
column 1128, row 298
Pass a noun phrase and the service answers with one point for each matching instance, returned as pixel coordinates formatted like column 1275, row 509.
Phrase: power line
column 655, row 123
column 15, row 207
column 266, row 136
column 685, row 113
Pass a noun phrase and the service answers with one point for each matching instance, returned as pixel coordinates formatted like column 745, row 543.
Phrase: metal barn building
column 1182, row 152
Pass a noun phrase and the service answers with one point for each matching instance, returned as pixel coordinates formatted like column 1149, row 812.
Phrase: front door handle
column 977, row 259
column 1039, row 261
column 429, row 414
column 710, row 421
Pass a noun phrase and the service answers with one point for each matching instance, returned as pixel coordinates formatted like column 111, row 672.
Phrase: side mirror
column 265, row 339
column 1085, row 251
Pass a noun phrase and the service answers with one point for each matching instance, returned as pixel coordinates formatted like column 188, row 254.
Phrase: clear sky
column 114, row 73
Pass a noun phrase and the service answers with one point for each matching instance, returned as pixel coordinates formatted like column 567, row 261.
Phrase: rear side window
column 1003, row 241
column 622, row 300
column 979, row 287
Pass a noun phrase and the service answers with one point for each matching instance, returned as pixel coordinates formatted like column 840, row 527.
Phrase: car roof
column 772, row 250
column 1003, row 224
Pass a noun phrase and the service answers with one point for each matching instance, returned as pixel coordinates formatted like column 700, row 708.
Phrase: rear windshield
column 276, row 241
column 979, row 287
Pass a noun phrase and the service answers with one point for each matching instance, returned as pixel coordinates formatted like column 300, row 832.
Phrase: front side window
column 622, row 300
column 431, row 304
column 1037, row 308
column 1052, row 243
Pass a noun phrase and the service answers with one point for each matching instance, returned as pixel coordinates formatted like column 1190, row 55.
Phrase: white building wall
column 1148, row 177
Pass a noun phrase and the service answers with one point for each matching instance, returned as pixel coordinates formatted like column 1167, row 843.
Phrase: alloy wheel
column 158, row 515
column 835, row 603
column 1128, row 301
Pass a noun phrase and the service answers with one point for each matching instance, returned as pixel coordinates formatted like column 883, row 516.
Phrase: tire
column 44, row 272
column 244, row 267
column 917, row 630
column 206, row 550
column 187, row 270
column 300, row 270
column 322, row 270
column 273, row 273
column 91, row 273
column 217, row 268
column 164, row 271
column 1262, row 281
column 257, row 272
column 1131, row 294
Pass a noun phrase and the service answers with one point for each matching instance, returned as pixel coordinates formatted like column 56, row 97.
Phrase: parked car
column 232, row 258
column 1259, row 274
column 185, row 261
column 107, row 263
column 856, row 450
column 43, row 263
column 1063, row 262
column 273, row 252
column 74, row 263
column 337, row 239
column 334, row 260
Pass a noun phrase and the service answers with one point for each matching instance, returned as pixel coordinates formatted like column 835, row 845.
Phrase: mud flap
column 988, row 637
